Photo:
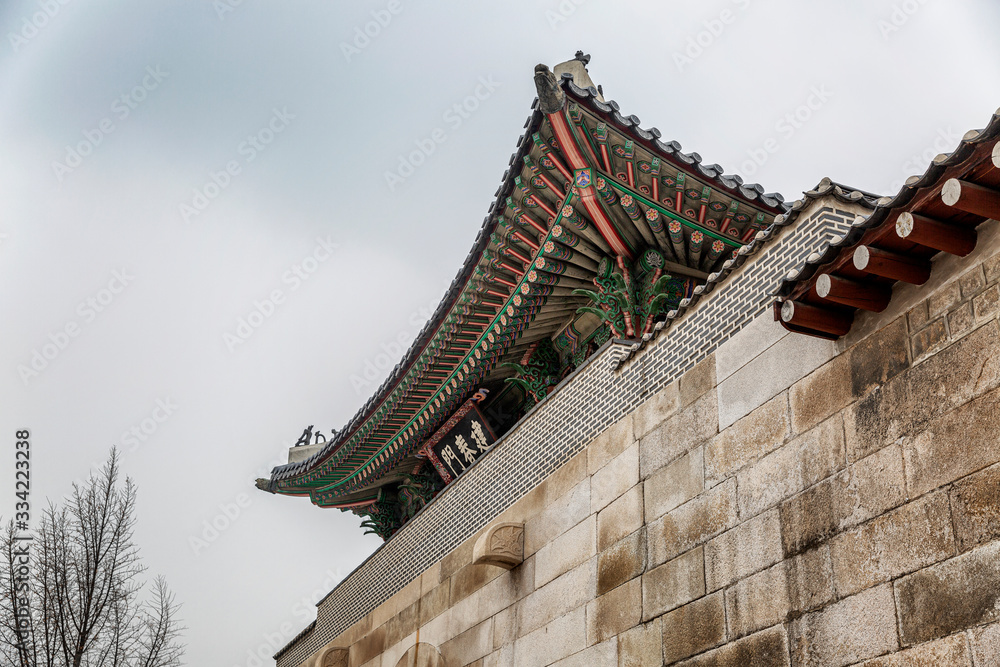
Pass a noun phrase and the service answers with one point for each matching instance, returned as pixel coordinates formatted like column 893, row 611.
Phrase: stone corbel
column 333, row 657
column 502, row 545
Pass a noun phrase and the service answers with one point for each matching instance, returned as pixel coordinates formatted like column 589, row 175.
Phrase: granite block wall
column 786, row 501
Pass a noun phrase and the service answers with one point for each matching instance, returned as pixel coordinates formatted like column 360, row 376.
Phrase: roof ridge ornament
column 584, row 58
column 551, row 98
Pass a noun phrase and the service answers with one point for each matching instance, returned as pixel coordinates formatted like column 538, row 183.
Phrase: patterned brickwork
column 586, row 404
column 736, row 302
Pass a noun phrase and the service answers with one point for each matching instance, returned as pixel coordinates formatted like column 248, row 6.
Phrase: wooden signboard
column 459, row 442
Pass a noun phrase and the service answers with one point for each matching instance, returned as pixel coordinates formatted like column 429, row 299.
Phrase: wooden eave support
column 511, row 251
column 936, row 234
column 971, row 198
column 566, row 236
column 561, row 280
column 560, row 268
column 890, row 265
column 800, row 314
column 846, row 292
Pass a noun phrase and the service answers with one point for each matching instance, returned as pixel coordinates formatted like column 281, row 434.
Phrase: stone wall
column 788, row 501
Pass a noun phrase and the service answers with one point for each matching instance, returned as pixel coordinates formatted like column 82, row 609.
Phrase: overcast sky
column 168, row 168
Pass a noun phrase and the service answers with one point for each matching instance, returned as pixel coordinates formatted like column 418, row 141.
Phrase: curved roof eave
column 753, row 194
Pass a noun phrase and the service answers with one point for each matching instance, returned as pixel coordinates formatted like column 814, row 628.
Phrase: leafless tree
column 81, row 603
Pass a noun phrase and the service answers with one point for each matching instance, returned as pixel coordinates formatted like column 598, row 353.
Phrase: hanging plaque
column 460, row 441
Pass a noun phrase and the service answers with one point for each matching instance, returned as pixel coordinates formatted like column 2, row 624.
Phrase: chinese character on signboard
column 463, row 444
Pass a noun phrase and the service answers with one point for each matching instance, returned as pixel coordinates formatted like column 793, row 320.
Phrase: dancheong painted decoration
column 598, row 231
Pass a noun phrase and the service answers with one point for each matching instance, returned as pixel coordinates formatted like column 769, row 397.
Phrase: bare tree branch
column 83, row 603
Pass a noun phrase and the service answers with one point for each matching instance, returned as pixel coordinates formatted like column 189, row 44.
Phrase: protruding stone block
column 501, row 545
column 333, row 657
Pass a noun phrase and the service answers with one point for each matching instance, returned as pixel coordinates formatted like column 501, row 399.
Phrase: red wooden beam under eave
column 833, row 323
column 891, row 265
column 567, row 142
column 542, row 204
column 549, row 183
column 871, row 297
column 936, row 234
column 971, row 198
column 532, row 244
column 516, row 255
